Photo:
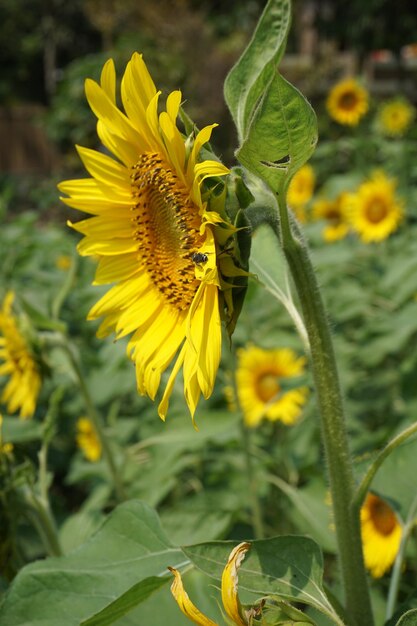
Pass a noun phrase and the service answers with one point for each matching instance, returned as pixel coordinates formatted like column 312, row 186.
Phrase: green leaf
column 128, row 550
column 248, row 79
column 282, row 134
column 288, row 567
column 408, row 619
column 128, row 601
column 16, row 430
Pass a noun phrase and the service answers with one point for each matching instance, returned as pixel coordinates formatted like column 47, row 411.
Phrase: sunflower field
column 208, row 319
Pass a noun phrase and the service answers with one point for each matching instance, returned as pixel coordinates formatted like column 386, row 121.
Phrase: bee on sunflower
column 156, row 205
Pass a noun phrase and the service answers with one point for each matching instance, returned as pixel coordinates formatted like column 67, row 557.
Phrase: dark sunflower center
column 333, row 215
column 348, row 101
column 267, row 386
column 166, row 226
column 382, row 517
column 376, row 210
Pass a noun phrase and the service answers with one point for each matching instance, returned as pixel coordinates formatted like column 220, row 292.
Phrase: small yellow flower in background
column 63, row 262
column 374, row 211
column 347, row 102
column 156, row 235
column 87, row 439
column 395, row 117
column 334, row 213
column 5, row 448
column 262, row 377
column 18, row 364
column 381, row 535
column 229, row 590
column 300, row 191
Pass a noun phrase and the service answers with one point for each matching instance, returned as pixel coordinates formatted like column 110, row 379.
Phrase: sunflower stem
column 41, row 516
column 257, row 524
column 398, row 564
column 98, row 425
column 329, row 397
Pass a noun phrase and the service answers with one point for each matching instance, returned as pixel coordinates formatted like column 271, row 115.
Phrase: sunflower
column 229, row 589
column 87, row 439
column 381, row 535
column 374, row 211
column 300, row 191
column 159, row 232
column 18, row 363
column 395, row 117
column 347, row 102
column 334, row 213
column 262, row 378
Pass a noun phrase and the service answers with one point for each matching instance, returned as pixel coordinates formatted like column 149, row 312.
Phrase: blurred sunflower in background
column 159, row 231
column 347, row 102
column 395, row 117
column 333, row 212
column 17, row 364
column 300, row 191
column 381, row 535
column 266, row 382
column 374, row 211
column 88, row 440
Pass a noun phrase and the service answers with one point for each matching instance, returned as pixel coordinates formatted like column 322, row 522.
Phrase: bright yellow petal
column 185, row 604
column 108, row 80
column 230, row 597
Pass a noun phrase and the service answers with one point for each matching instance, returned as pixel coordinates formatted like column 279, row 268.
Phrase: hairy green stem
column 329, row 397
column 257, row 523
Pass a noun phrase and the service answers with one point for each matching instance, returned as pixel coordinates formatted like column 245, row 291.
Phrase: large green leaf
column 248, row 79
column 130, row 549
column 282, row 134
column 288, row 567
column 408, row 619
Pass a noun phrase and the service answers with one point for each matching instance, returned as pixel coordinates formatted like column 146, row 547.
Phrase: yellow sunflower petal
column 230, row 597
column 185, row 604
column 108, row 80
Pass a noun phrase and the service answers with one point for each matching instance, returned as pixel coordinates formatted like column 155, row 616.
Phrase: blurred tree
column 37, row 37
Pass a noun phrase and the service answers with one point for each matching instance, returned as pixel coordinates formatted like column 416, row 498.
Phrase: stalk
column 257, row 523
column 332, row 417
column 98, row 425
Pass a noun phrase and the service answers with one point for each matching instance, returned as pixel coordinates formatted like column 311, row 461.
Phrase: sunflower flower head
column 160, row 233
column 88, row 440
column 300, row 191
column 347, row 102
column 374, row 211
column 333, row 212
column 381, row 535
column 395, row 117
column 268, row 386
column 17, row 364
column 229, row 591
